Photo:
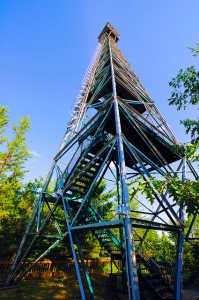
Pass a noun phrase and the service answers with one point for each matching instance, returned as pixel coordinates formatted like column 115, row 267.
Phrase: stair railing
column 159, row 255
column 76, row 156
column 158, row 269
column 167, row 269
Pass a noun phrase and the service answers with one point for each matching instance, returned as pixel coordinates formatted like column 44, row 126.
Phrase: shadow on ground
column 60, row 288
column 68, row 288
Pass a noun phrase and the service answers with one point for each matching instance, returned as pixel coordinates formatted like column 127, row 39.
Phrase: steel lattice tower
column 116, row 132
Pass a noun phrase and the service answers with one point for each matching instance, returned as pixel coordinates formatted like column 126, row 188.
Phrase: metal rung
column 84, row 181
column 81, row 186
column 74, row 189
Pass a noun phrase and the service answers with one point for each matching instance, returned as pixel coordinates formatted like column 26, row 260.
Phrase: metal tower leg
column 132, row 277
column 124, row 279
column 73, row 252
column 76, row 239
column 179, row 256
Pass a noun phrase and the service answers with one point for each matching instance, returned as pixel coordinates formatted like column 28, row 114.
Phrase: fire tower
column 116, row 133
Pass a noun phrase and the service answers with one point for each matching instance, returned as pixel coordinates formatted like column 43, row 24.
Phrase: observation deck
column 108, row 30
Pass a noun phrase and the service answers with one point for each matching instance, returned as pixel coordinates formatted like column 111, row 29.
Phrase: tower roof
column 109, row 30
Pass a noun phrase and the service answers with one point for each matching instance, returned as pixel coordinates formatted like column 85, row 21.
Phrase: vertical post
column 179, row 254
column 124, row 279
column 68, row 213
column 36, row 212
column 40, row 202
column 132, row 277
column 88, row 281
column 73, row 251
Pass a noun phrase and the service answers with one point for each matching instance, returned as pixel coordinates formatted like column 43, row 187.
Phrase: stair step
column 90, row 155
column 69, row 195
column 85, row 161
column 92, row 171
column 87, row 176
column 84, row 181
column 156, row 280
column 77, row 190
column 145, row 269
column 74, row 203
column 78, row 184
column 168, row 296
column 88, row 170
column 160, row 288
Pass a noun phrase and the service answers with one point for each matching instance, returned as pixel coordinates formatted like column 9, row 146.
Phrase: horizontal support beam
column 100, row 225
column 136, row 223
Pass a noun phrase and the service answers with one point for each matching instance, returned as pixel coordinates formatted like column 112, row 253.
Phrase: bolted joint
column 121, row 210
column 59, row 193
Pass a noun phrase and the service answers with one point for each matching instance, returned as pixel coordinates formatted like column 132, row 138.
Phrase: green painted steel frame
column 96, row 145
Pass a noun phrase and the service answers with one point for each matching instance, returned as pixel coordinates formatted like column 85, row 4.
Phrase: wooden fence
column 51, row 268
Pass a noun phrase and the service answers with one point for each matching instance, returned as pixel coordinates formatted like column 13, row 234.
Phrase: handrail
column 80, row 106
column 158, row 269
column 156, row 251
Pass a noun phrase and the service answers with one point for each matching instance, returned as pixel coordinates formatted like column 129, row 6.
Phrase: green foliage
column 191, row 261
column 167, row 248
column 195, row 50
column 15, row 198
column 191, row 126
column 191, row 251
column 91, row 246
column 189, row 151
column 3, row 122
column 14, row 216
column 186, row 88
column 183, row 193
column 185, row 92
column 102, row 201
column 15, row 152
column 186, row 193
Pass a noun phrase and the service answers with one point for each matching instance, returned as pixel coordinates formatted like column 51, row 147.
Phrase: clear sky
column 46, row 46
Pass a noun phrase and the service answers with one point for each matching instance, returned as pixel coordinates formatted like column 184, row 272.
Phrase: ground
column 67, row 288
column 59, row 289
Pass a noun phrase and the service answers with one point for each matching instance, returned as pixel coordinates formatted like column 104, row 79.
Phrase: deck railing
column 53, row 268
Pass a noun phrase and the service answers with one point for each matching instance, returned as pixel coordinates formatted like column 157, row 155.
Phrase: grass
column 60, row 288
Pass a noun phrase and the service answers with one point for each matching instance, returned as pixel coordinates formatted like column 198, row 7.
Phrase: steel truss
column 116, row 132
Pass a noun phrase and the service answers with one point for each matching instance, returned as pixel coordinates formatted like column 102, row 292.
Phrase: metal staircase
column 156, row 275
column 150, row 273
column 83, row 175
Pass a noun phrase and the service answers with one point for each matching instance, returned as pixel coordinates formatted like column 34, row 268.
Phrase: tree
column 102, row 202
column 190, row 251
column 15, row 152
column 185, row 92
column 15, row 199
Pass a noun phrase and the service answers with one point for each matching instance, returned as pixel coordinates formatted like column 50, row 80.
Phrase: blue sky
column 46, row 46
